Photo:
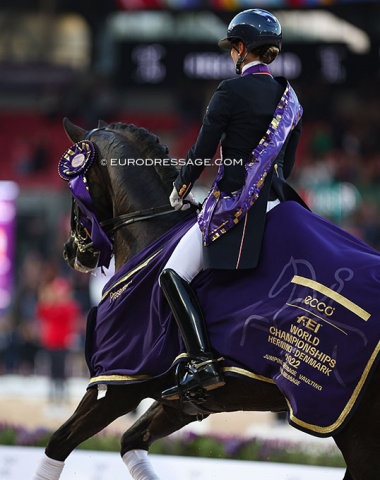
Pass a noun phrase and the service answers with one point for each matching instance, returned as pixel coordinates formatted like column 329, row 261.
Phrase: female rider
column 243, row 115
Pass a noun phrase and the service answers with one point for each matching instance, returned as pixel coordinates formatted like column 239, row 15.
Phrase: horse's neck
column 134, row 237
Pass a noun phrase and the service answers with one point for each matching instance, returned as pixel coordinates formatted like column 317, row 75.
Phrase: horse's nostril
column 65, row 255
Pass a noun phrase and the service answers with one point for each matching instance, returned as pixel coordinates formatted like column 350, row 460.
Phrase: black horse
column 128, row 203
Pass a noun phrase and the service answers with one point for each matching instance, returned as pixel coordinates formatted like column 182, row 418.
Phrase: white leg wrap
column 139, row 465
column 48, row 469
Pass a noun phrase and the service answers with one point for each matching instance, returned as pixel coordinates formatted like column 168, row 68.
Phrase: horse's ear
column 74, row 132
column 102, row 124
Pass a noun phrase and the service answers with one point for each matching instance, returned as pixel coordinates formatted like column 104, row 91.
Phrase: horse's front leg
column 90, row 417
column 157, row 422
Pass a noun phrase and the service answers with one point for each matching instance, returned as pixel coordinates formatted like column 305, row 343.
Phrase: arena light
column 206, row 26
column 323, row 26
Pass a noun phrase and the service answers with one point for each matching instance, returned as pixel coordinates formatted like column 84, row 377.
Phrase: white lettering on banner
column 148, row 59
column 208, row 65
column 218, row 66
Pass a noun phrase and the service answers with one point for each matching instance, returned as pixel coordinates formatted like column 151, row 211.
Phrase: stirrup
column 194, row 380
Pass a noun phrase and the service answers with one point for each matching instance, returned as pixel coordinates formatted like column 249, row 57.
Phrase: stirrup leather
column 195, row 365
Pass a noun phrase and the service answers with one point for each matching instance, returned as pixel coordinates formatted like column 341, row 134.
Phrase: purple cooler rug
column 307, row 318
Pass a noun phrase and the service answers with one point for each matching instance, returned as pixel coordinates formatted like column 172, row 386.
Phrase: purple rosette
column 73, row 166
column 76, row 160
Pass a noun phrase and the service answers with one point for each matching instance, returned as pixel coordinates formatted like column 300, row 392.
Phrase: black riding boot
column 201, row 372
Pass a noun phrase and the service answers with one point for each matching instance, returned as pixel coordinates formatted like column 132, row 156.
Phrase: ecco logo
column 320, row 306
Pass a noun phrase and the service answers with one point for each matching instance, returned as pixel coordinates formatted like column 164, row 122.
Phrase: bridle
column 88, row 234
column 80, row 235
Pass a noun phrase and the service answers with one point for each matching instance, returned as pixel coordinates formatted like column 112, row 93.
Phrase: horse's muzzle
column 69, row 252
column 85, row 261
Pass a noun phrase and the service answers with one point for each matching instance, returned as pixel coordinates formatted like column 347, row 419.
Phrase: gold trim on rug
column 337, row 297
column 132, row 272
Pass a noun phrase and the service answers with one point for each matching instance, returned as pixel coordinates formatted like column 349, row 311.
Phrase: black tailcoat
column 237, row 116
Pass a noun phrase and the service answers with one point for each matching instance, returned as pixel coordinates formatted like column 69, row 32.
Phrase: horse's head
column 116, row 179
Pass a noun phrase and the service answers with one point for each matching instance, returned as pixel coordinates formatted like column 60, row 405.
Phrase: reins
column 112, row 225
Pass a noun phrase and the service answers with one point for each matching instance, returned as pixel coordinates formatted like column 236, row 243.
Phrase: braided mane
column 150, row 147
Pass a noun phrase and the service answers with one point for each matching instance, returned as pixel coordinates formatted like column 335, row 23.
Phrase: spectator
column 58, row 314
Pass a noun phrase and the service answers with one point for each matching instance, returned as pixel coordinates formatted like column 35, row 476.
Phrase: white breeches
column 187, row 257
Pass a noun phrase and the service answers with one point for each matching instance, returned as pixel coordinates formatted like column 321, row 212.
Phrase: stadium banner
column 228, row 5
column 8, row 197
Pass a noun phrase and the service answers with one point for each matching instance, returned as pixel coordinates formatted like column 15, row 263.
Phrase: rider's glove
column 177, row 202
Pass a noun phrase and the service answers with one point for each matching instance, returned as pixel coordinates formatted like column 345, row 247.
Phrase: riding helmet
column 254, row 27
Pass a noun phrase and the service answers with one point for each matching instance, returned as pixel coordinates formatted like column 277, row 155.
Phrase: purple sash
column 221, row 211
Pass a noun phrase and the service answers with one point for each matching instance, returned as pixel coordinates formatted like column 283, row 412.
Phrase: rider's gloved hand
column 177, row 202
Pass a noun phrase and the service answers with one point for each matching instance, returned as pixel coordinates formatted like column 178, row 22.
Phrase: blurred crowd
column 340, row 152
column 44, row 330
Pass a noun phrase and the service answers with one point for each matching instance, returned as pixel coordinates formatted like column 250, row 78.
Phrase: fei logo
column 309, row 323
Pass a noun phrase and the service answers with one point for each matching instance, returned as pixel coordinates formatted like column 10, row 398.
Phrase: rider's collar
column 250, row 64
column 255, row 67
